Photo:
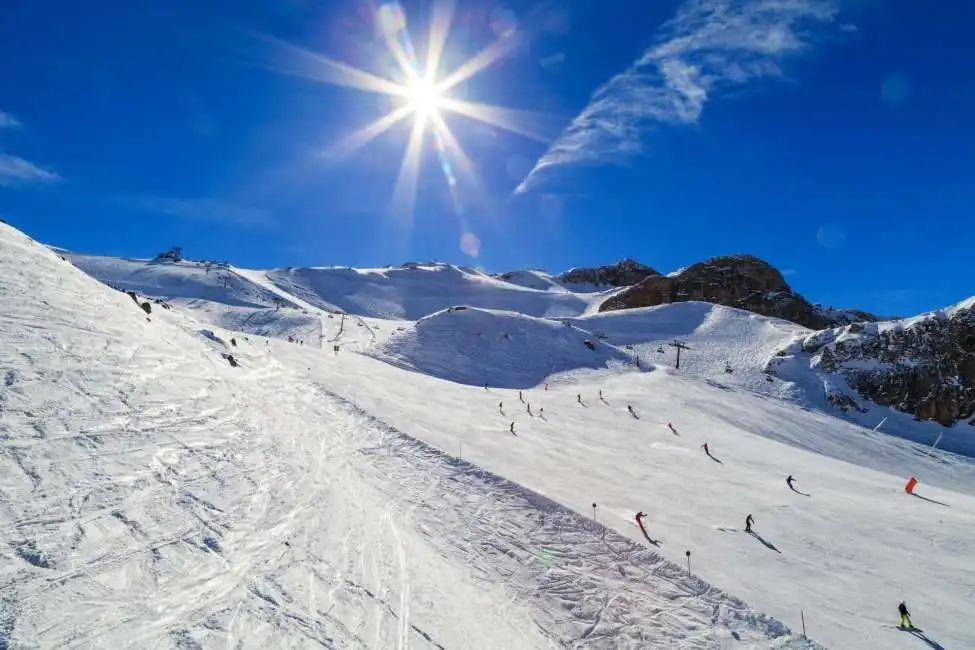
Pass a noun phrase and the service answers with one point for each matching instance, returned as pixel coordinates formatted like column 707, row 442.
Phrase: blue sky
column 833, row 139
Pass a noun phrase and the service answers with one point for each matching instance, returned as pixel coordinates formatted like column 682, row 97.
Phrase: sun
column 424, row 96
column 422, row 93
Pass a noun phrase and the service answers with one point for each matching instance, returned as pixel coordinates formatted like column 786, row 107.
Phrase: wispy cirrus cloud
column 708, row 46
column 8, row 121
column 17, row 172
column 200, row 209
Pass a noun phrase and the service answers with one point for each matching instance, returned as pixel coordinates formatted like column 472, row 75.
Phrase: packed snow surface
column 155, row 496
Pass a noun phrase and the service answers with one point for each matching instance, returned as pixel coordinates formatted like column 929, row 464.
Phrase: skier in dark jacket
column 706, row 450
column 905, row 616
column 789, row 481
column 749, row 520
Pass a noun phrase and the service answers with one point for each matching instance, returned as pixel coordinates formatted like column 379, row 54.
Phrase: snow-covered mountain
column 157, row 495
column 291, row 302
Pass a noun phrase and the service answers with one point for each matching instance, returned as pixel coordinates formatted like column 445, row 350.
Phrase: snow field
column 155, row 496
column 846, row 555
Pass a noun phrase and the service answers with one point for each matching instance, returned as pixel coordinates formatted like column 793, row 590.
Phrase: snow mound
column 174, row 280
column 415, row 291
column 503, row 349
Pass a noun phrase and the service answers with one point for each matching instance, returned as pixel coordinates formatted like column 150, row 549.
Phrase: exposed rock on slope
column 741, row 281
column 924, row 366
column 624, row 273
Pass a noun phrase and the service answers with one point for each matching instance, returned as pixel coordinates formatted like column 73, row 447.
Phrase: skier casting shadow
column 907, row 626
column 639, row 522
column 707, row 451
column 632, row 412
column 749, row 520
column 792, row 487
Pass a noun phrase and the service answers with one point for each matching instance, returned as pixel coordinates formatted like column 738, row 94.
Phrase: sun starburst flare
column 421, row 93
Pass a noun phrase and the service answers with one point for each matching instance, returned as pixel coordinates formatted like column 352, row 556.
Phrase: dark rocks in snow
column 925, row 366
column 624, row 273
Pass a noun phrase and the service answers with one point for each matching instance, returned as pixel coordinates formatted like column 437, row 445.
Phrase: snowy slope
column 504, row 349
column 153, row 496
column 275, row 323
column 717, row 336
column 844, row 556
column 156, row 496
column 174, row 280
column 413, row 292
column 532, row 279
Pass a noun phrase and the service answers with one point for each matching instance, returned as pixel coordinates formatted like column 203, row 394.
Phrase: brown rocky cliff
column 741, row 281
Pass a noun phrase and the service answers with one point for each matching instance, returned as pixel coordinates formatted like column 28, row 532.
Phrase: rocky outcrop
column 741, row 281
column 624, row 273
column 924, row 366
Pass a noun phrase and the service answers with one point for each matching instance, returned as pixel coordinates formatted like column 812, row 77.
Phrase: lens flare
column 420, row 92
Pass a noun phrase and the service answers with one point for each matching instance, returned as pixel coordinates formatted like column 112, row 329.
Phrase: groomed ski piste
column 156, row 496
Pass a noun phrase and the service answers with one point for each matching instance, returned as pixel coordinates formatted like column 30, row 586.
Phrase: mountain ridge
column 933, row 378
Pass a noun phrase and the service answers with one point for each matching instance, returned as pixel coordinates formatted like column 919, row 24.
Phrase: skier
column 520, row 397
column 629, row 407
column 530, row 409
column 541, row 413
column 579, row 397
column 639, row 516
column 671, row 427
column 501, row 407
column 512, row 428
column 546, row 385
column 905, row 616
column 748, row 523
column 600, row 393
column 789, row 481
column 706, row 450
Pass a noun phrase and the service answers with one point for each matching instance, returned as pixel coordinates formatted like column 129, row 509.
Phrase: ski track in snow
column 236, row 530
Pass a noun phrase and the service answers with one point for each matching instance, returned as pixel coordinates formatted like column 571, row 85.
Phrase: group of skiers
column 905, row 618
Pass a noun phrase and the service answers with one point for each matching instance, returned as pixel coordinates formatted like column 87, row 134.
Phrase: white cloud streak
column 201, row 210
column 708, row 46
column 17, row 172
column 8, row 121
